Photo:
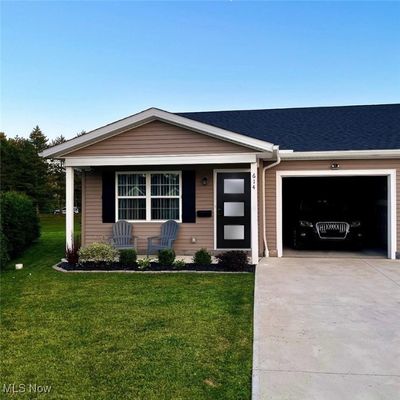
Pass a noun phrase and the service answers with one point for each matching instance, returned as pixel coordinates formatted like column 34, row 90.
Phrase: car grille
column 332, row 230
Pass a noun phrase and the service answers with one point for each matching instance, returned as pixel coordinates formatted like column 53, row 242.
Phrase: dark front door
column 233, row 210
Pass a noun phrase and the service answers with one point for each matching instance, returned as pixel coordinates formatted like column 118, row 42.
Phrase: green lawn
column 123, row 336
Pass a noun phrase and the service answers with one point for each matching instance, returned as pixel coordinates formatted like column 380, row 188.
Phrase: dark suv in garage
column 323, row 221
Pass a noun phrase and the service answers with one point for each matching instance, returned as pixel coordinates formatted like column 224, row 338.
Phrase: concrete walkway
column 327, row 329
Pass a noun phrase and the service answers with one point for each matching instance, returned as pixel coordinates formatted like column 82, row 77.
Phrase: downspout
column 274, row 164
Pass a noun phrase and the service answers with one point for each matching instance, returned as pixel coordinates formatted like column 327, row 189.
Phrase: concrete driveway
column 327, row 329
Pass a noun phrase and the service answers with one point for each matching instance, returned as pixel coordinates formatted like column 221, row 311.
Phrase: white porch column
column 254, row 211
column 69, row 204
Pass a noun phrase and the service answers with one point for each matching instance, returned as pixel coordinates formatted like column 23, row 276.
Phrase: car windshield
column 324, row 206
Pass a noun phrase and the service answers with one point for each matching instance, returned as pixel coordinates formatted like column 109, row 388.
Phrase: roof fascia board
column 347, row 154
column 149, row 115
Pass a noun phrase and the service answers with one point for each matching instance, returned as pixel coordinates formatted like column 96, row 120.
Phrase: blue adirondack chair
column 122, row 237
column 169, row 232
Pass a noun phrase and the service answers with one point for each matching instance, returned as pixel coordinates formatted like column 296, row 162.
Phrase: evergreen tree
column 58, row 140
column 57, row 175
column 23, row 170
column 38, row 139
column 57, row 178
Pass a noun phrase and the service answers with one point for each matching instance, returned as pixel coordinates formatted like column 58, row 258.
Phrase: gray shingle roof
column 364, row 127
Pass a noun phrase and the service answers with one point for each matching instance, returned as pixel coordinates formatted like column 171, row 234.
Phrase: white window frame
column 148, row 196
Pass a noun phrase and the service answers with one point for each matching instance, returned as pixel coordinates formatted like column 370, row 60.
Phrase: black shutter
column 188, row 196
column 108, row 196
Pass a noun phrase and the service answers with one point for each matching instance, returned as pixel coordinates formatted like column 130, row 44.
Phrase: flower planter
column 154, row 267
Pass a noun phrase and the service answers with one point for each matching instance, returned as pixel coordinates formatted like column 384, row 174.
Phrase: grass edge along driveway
column 115, row 336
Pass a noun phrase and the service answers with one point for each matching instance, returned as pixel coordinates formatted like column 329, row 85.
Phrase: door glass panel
column 232, row 209
column 234, row 232
column 233, row 186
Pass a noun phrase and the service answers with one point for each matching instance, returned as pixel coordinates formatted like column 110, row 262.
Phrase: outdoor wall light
column 335, row 165
column 204, row 181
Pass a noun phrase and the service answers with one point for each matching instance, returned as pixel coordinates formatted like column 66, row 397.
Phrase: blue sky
column 69, row 66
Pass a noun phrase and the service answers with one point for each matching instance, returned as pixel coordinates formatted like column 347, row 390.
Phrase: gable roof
column 313, row 129
column 364, row 127
column 147, row 116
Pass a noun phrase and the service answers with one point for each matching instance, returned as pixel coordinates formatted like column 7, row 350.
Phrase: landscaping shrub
column 235, row 259
column 144, row 263
column 202, row 257
column 128, row 257
column 179, row 264
column 98, row 252
column 166, row 256
column 19, row 223
column 72, row 253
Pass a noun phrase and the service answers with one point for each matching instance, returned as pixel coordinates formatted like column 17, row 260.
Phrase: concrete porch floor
column 327, row 329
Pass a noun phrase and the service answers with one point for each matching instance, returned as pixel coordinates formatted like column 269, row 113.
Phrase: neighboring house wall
column 203, row 230
column 159, row 138
column 318, row 165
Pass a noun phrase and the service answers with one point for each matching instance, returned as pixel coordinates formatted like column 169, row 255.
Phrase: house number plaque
column 253, row 181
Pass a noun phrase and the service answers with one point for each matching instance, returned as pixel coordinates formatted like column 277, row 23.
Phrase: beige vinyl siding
column 159, row 138
column 203, row 230
column 318, row 165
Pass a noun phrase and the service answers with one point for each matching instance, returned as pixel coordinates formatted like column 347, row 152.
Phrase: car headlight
column 306, row 224
column 355, row 224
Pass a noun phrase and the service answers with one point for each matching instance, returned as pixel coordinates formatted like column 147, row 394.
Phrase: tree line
column 24, row 171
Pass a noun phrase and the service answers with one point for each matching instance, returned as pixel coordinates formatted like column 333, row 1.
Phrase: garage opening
column 335, row 216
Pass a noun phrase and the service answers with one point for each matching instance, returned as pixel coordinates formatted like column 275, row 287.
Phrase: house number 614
column 253, row 181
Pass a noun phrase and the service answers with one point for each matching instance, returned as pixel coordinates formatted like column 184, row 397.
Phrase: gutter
column 274, row 164
column 345, row 154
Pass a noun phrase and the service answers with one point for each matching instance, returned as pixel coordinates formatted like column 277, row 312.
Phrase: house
column 223, row 174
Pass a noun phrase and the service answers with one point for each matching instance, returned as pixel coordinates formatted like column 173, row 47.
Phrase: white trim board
column 339, row 155
column 254, row 212
column 392, row 211
column 150, row 115
column 184, row 159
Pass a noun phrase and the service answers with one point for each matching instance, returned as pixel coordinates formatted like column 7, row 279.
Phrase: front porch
column 196, row 191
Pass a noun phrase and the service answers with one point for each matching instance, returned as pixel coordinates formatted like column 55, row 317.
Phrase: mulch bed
column 153, row 267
